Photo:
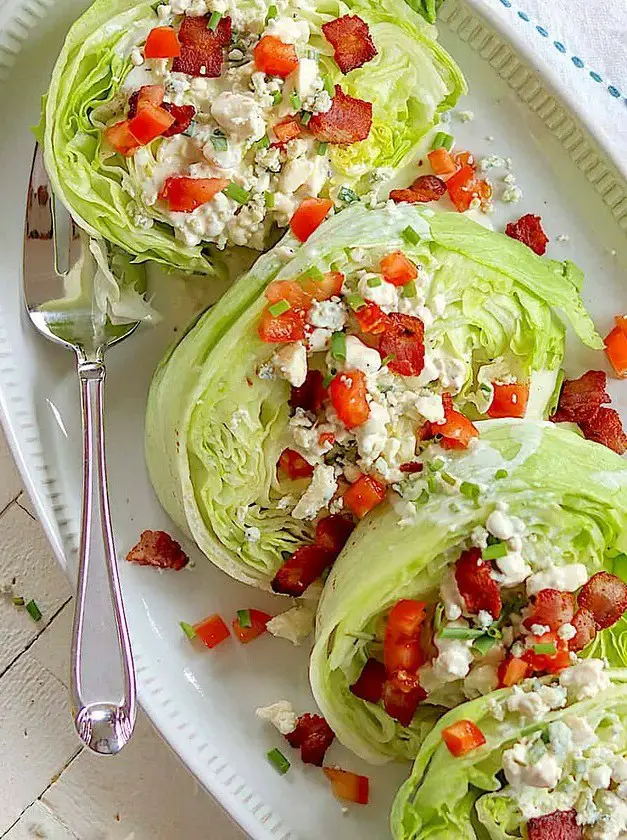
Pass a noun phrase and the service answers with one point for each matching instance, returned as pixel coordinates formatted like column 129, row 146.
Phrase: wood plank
column 10, row 482
column 38, row 821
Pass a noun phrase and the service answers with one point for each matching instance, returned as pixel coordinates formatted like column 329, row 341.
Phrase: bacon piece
column 606, row 428
column 528, row 230
column 195, row 62
column 202, row 50
column 156, row 548
column 585, row 625
column 605, row 595
column 195, row 32
column 425, row 188
column 183, row 116
column 305, row 565
column 333, row 531
column 314, row 736
column 475, row 584
column 551, row 608
column 560, row 825
column 311, row 394
column 404, row 341
column 371, row 318
column 580, row 399
column 348, row 120
column 350, row 38
column 411, row 467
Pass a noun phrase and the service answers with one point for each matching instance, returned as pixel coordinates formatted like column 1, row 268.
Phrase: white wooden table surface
column 49, row 786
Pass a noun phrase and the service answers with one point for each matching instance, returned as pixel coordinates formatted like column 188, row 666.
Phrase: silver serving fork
column 102, row 680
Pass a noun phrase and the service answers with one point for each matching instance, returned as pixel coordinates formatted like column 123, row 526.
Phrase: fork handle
column 102, row 681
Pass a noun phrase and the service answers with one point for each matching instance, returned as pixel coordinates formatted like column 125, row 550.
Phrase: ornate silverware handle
column 102, row 682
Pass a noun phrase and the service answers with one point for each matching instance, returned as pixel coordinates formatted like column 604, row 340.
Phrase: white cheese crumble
column 564, row 578
column 585, row 679
column 512, row 569
column 319, row 493
column 295, row 625
column 327, row 314
column 500, row 525
column 360, row 356
column 280, row 714
column 545, row 772
column 291, row 363
column 252, row 533
column 567, row 632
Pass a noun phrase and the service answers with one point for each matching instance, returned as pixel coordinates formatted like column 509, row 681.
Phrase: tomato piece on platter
column 162, row 42
column 120, row 138
column 457, row 431
column 511, row 671
column 397, row 269
column 150, row 123
column 278, row 329
column 211, row 631
column 254, row 624
column 442, row 162
column 402, row 694
column 350, row 787
column 184, row 195
column 332, row 532
column 274, row 58
column 294, row 465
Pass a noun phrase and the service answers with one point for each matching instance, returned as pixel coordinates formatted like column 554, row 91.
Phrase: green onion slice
column 501, row 474
column 295, row 100
column 483, row 644
column 312, row 273
column 272, row 13
column 277, row 97
column 437, row 465
column 422, row 499
column 237, row 193
column 214, row 20
column 460, row 633
column 278, row 761
column 410, row 235
column 328, row 379
column 268, row 198
column 442, row 139
column 243, row 616
column 187, row 629
column 546, row 648
column 438, row 617
column 387, row 359
column 279, row 307
column 448, row 478
column 355, row 302
column 493, row 552
column 18, row 601
column 262, row 143
column 33, row 610
column 338, row 345
column 373, row 282
column 467, row 488
column 321, row 148
column 409, row 290
column 305, row 116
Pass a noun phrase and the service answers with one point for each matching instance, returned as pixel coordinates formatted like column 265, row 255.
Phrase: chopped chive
column 442, row 139
column 243, row 616
column 467, row 488
column 438, row 617
column 187, row 629
column 295, row 100
column 347, row 195
column 501, row 474
column 305, row 116
column 33, row 610
column 373, row 282
column 277, row 97
column 312, row 273
column 18, row 601
column 437, row 465
column 321, row 148
column 338, row 346
column 355, row 302
column 448, row 478
column 329, row 86
column 268, row 198
column 494, row 632
column 262, row 143
column 493, row 552
column 278, row 761
column 410, row 235
column 314, row 55
column 214, row 20
column 271, row 13
column 328, row 379
column 422, row 499
column 409, row 290
column 237, row 193
column 219, row 142
column 460, row 633
column 432, row 484
column 483, row 644
column 387, row 359
column 279, row 307
column 546, row 648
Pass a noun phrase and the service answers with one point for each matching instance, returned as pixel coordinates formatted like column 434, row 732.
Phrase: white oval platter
column 203, row 702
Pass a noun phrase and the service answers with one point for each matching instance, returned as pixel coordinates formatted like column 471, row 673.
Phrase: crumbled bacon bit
column 202, row 50
column 403, row 341
column 528, row 230
column 586, row 627
column 314, row 736
column 606, row 428
column 411, row 467
column 425, row 188
column 580, row 399
column 311, row 394
column 194, row 62
column 476, row 586
column 333, row 531
column 605, row 596
column 156, row 548
column 183, row 116
column 348, row 120
column 195, row 32
column 552, row 608
column 350, row 38
column 560, row 825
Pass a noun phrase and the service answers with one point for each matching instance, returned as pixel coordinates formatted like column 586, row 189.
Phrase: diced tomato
column 442, row 162
column 425, row 188
column 457, row 431
column 120, row 138
column 460, row 188
column 369, row 686
column 475, row 584
column 411, row 467
column 294, row 465
column 146, row 95
column 195, row 32
column 616, row 349
column 350, row 38
column 183, row 116
column 309, row 216
column 364, row 495
column 314, row 736
column 509, row 400
column 403, row 655
column 274, row 58
column 311, row 395
column 157, row 548
column 528, row 230
column 149, row 123
column 212, row 631
column 406, row 619
column 305, row 565
column 288, row 290
column 348, row 121
column 605, row 595
column 184, row 195
column 348, row 397
column 258, row 621
column 552, row 663
column 462, row 737
column 276, row 329
column 551, row 608
column 560, row 825
column 333, row 531
column 397, row 269
column 606, row 428
column 402, row 694
column 511, row 671
column 346, row 786
column 162, row 42
column 286, row 130
column 586, row 627
column 371, row 319
column 580, row 399
column 327, row 287
column 403, row 341
column 402, row 644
